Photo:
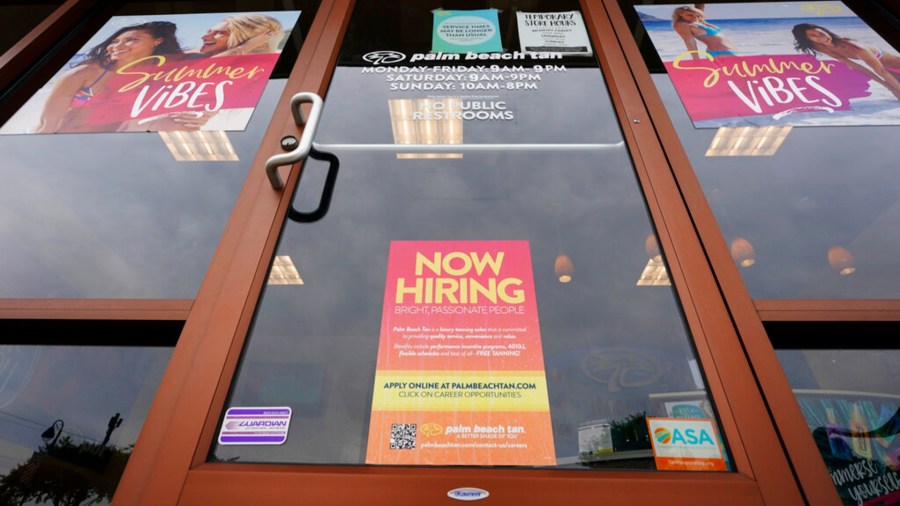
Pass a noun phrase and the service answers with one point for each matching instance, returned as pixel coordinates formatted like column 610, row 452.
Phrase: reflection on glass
column 116, row 215
column 841, row 260
column 284, row 272
column 199, row 145
column 824, row 187
column 113, row 215
column 426, row 121
column 69, row 417
column 614, row 355
column 831, row 182
column 743, row 252
column 748, row 141
column 851, row 402
column 654, row 274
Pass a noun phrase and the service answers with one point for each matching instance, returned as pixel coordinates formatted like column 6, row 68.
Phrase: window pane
column 132, row 214
column 69, row 417
column 335, row 343
column 806, row 199
column 851, row 402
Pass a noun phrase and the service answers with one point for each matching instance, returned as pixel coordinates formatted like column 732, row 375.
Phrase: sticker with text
column 255, row 426
column 686, row 444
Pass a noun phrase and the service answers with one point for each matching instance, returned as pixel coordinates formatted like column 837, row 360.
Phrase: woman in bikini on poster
column 691, row 25
column 882, row 67
column 236, row 35
column 73, row 95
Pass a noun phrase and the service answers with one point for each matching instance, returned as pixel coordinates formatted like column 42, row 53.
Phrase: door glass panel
column 806, row 199
column 851, row 402
column 503, row 306
column 69, row 418
column 134, row 214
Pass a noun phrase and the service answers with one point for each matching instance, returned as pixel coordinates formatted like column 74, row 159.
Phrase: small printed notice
column 686, row 444
column 475, row 31
column 553, row 32
column 255, row 426
column 460, row 374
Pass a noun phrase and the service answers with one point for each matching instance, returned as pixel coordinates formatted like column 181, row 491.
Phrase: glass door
column 465, row 296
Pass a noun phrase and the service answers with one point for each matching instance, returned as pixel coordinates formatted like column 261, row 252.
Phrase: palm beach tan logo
column 431, row 429
column 620, row 369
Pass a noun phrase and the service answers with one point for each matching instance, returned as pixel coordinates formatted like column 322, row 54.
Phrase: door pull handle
column 310, row 124
column 327, row 189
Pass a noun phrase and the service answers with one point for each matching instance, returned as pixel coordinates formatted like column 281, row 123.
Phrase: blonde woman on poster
column 881, row 66
column 691, row 25
column 73, row 94
column 235, row 35
column 241, row 34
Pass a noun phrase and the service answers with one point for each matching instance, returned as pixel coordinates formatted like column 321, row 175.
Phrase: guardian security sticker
column 255, row 426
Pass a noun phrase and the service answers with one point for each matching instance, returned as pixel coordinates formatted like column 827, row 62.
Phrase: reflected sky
column 824, row 187
column 83, row 386
column 114, row 215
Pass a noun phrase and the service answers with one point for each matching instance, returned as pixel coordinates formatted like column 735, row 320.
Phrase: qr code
column 403, row 436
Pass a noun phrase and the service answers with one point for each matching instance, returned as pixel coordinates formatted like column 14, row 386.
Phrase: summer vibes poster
column 161, row 72
column 476, row 31
column 742, row 64
column 460, row 374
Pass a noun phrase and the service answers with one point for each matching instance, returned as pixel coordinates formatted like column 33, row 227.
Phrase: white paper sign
column 553, row 32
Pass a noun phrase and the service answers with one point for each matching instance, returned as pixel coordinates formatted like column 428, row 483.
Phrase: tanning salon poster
column 460, row 374
column 776, row 63
column 161, row 73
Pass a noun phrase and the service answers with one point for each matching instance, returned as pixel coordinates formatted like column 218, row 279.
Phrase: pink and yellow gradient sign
column 774, row 86
column 460, row 375
column 152, row 87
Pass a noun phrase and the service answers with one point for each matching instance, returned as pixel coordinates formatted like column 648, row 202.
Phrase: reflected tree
column 630, row 433
column 65, row 474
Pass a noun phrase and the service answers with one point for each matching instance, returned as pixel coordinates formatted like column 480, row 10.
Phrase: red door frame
column 168, row 465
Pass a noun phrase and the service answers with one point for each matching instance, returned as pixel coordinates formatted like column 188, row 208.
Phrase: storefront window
column 787, row 112
column 69, row 418
column 851, row 402
column 485, row 287
column 120, row 172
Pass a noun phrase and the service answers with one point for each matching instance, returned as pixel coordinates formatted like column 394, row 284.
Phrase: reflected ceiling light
column 563, row 268
column 199, row 146
column 654, row 273
column 841, row 260
column 283, row 272
column 748, row 141
column 743, row 252
column 426, row 121
column 652, row 247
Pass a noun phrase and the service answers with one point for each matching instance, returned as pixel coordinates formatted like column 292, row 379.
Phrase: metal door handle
column 327, row 190
column 305, row 144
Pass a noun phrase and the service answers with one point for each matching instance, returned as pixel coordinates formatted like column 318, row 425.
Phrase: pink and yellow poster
column 161, row 73
column 460, row 374
column 776, row 63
